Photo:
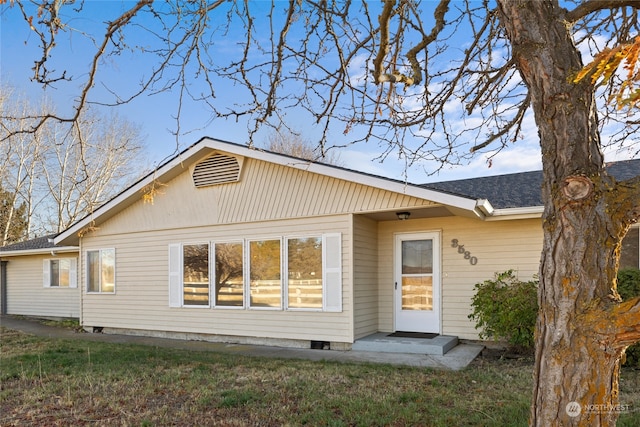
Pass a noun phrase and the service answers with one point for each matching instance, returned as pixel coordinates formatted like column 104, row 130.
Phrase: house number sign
column 466, row 254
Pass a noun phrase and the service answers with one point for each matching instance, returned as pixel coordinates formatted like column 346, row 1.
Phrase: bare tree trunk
column 578, row 345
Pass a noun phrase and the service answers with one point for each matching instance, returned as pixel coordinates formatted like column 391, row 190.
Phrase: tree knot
column 577, row 187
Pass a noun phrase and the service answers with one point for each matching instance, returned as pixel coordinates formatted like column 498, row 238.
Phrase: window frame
column 332, row 253
column 248, row 304
column 214, row 272
column 182, row 303
column 636, row 229
column 100, row 251
column 47, row 273
column 286, row 272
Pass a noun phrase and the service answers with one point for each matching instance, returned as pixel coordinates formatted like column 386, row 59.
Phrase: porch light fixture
column 403, row 215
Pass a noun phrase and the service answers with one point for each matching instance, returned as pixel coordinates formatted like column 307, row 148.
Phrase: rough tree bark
column 582, row 328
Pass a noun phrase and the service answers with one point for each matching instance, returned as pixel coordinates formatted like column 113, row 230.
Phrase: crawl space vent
column 217, row 169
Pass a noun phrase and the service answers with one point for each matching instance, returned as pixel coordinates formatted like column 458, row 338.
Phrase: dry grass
column 46, row 382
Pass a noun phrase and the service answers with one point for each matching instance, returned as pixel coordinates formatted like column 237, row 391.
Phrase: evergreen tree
column 13, row 218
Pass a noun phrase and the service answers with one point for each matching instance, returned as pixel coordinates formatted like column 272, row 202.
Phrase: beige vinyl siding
column 141, row 300
column 498, row 246
column 265, row 192
column 365, row 282
column 27, row 296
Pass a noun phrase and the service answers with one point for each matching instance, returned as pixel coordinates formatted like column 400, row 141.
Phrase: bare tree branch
column 590, row 6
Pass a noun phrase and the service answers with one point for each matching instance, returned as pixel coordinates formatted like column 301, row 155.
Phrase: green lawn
column 74, row 383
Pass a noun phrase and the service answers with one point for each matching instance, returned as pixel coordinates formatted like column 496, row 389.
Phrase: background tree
column 293, row 144
column 53, row 177
column 394, row 74
column 79, row 177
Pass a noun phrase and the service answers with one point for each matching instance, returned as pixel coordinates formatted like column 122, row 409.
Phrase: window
column 195, row 274
column 630, row 255
column 229, row 274
column 60, row 273
column 101, row 271
column 265, row 285
column 304, row 273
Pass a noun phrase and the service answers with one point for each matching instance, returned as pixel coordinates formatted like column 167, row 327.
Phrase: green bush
column 629, row 287
column 505, row 309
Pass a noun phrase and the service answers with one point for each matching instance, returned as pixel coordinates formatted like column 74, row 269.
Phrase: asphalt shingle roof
column 37, row 243
column 518, row 190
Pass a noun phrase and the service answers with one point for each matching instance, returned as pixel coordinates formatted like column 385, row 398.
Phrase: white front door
column 417, row 282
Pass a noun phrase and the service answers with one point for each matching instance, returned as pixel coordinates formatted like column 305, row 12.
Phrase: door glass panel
column 417, row 257
column 417, row 293
column 417, row 274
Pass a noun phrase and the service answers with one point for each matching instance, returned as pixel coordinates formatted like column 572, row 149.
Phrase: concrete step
column 381, row 342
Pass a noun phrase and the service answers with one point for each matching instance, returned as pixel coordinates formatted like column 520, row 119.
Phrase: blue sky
column 154, row 114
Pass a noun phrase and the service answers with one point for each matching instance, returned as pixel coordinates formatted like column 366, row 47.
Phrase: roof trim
column 182, row 161
column 526, row 212
column 41, row 251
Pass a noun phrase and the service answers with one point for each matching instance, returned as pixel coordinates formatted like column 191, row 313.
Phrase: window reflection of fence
column 196, row 293
column 230, row 294
column 264, row 293
column 305, row 293
column 417, row 293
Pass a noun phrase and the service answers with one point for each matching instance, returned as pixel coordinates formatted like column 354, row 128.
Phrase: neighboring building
column 229, row 243
column 39, row 279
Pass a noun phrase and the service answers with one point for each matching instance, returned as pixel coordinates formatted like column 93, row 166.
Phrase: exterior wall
column 269, row 201
column 141, row 300
column 497, row 246
column 27, row 296
column 265, row 192
column 365, row 281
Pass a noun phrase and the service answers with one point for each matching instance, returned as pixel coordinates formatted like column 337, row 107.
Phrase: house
column 234, row 244
column 39, row 279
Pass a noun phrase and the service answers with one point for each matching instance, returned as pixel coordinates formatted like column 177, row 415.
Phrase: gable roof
column 489, row 197
column 460, row 205
column 519, row 190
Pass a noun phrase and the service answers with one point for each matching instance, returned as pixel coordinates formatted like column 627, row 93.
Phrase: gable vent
column 217, row 169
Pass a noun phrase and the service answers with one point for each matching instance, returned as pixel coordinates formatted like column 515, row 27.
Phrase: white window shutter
column 332, row 266
column 46, row 273
column 175, row 291
column 73, row 272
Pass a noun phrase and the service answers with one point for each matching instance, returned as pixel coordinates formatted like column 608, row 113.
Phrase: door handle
column 396, row 285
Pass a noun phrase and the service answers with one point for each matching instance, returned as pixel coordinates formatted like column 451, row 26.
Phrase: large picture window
column 60, row 273
column 229, row 274
column 195, row 274
column 264, row 273
column 101, row 271
column 304, row 273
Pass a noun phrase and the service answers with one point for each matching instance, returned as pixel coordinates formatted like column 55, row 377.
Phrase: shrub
column 505, row 309
column 629, row 287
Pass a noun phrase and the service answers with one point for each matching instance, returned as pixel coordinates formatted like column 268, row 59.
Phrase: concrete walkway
column 457, row 358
